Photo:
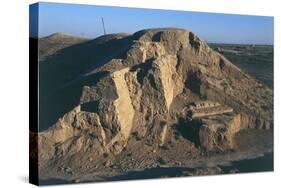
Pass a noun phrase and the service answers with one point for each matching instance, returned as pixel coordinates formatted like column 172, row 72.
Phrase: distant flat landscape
column 257, row 60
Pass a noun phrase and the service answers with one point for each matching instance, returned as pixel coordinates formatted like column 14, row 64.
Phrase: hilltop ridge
column 49, row 45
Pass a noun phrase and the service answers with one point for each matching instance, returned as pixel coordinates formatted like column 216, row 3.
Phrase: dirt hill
column 157, row 97
column 55, row 42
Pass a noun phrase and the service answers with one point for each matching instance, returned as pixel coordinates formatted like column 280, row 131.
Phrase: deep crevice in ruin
column 189, row 130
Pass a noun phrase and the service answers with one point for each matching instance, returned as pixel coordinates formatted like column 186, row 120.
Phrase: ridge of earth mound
column 159, row 96
column 51, row 44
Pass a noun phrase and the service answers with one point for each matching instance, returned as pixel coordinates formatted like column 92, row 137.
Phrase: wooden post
column 104, row 32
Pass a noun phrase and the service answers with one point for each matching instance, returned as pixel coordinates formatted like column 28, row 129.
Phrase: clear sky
column 85, row 21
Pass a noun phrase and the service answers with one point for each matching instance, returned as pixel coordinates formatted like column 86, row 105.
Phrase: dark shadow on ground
column 189, row 130
column 260, row 164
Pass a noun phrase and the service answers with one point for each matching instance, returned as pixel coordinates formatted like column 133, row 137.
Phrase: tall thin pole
column 104, row 32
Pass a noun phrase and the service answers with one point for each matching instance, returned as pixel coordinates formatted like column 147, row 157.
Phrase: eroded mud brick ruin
column 155, row 93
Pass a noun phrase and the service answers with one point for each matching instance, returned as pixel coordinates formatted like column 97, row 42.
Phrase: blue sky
column 85, row 21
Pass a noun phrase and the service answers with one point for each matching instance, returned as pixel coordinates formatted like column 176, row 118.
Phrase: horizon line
column 92, row 38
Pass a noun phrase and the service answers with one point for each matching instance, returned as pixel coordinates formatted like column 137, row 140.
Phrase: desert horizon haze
column 86, row 22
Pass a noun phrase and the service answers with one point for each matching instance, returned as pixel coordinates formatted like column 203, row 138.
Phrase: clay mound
column 108, row 95
column 106, row 38
column 51, row 44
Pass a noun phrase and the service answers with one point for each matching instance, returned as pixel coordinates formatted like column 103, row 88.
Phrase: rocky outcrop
column 123, row 111
column 217, row 132
column 144, row 87
column 76, row 131
column 206, row 108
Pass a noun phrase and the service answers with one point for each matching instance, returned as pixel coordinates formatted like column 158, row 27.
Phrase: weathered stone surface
column 206, row 108
column 217, row 132
column 143, row 83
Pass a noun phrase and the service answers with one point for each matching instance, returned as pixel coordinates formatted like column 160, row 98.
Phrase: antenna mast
column 104, row 32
